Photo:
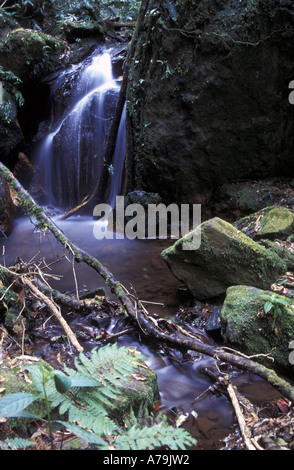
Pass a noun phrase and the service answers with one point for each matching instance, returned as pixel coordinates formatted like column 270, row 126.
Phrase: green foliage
column 275, row 304
column 21, row 9
column 15, row 444
column 10, row 83
column 75, row 10
column 83, row 397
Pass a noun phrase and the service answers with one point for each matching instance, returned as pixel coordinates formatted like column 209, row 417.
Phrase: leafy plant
column 274, row 304
column 11, row 83
column 15, row 444
column 85, row 398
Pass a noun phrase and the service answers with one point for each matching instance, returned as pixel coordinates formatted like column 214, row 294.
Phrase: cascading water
column 71, row 156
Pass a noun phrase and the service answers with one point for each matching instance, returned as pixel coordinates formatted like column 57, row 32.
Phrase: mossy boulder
column 226, row 257
column 246, row 325
column 82, row 29
column 29, row 53
column 284, row 249
column 269, row 223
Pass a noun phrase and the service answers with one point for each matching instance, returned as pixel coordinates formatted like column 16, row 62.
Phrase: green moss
column 277, row 221
column 245, row 324
column 13, row 381
column 225, row 257
column 283, row 250
column 29, row 53
column 136, row 393
column 270, row 222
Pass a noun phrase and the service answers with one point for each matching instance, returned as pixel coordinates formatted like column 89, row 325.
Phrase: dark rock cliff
column 208, row 96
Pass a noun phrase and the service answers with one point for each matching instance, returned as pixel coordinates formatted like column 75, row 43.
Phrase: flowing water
column 71, row 156
column 70, row 159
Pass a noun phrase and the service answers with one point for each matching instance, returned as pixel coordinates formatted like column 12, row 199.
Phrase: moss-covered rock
column 284, row 249
column 247, row 326
column 82, row 29
column 269, row 223
column 29, row 53
column 139, row 391
column 226, row 257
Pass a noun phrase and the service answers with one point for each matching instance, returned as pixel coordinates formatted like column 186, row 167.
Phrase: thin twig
column 75, row 278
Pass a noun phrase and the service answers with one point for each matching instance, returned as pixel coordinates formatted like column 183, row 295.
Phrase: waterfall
column 71, row 155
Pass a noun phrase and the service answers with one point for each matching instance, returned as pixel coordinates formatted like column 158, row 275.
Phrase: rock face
column 245, row 324
column 226, row 257
column 208, row 96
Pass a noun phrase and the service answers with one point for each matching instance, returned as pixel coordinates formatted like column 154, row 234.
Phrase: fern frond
column 15, row 443
column 148, row 438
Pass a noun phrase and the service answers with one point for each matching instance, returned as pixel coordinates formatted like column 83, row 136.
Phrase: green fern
column 83, row 397
column 15, row 443
column 157, row 434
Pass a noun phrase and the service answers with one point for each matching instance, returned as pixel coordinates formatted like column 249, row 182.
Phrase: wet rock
column 246, row 325
column 29, row 53
column 142, row 198
column 213, row 324
column 82, row 29
column 197, row 121
column 24, row 170
column 225, row 257
column 269, row 223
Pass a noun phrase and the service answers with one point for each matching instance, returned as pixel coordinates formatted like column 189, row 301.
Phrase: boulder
column 225, row 257
column 208, row 97
column 269, row 223
column 30, row 53
column 246, row 325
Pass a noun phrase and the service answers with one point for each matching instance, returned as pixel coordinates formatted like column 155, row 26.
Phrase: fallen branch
column 241, row 420
column 55, row 312
column 68, row 300
column 133, row 308
column 25, row 280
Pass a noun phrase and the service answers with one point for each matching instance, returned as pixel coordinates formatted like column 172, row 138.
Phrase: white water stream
column 71, row 155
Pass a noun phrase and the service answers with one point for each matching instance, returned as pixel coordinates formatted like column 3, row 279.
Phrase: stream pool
column 184, row 388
